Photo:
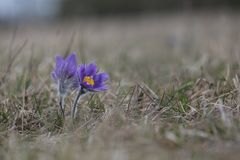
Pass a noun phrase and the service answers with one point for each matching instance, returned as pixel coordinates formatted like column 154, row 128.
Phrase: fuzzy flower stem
column 74, row 107
column 61, row 104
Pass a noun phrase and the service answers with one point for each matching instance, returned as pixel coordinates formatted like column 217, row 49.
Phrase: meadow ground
column 174, row 89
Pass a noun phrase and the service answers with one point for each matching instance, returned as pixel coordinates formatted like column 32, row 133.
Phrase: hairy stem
column 61, row 104
column 74, row 107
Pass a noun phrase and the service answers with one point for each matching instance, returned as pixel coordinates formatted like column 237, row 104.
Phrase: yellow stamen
column 88, row 80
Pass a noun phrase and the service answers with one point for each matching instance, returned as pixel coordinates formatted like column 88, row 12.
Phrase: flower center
column 88, row 80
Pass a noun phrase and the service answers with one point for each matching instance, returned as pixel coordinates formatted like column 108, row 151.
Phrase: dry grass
column 175, row 90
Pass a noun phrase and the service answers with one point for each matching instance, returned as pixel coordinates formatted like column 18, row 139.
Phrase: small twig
column 126, row 95
column 70, row 44
column 91, row 120
column 12, row 41
column 90, row 99
column 147, row 94
column 160, row 102
column 129, row 102
column 11, row 61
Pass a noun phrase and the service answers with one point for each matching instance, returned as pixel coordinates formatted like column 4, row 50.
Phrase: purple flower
column 64, row 73
column 90, row 79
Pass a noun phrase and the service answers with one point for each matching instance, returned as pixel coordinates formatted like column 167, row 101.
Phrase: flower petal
column 59, row 61
column 81, row 72
column 101, row 88
column 72, row 58
column 54, row 76
column 100, row 78
column 59, row 65
column 104, row 76
column 91, row 69
column 70, row 65
column 87, row 86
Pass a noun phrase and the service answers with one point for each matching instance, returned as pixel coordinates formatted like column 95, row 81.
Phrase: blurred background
column 166, row 37
column 15, row 10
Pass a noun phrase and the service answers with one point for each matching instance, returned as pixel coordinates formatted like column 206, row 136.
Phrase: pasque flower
column 89, row 80
column 64, row 75
column 85, row 78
